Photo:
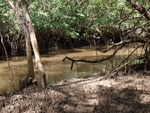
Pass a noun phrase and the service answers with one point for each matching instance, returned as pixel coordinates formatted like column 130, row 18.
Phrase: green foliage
column 71, row 18
column 8, row 22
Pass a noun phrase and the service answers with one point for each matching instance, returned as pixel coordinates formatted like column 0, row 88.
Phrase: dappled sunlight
column 106, row 95
column 68, row 41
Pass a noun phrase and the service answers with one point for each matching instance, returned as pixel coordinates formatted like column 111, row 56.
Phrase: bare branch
column 101, row 34
column 121, row 67
column 104, row 51
column 130, row 54
column 140, row 8
column 125, row 42
column 11, row 4
column 87, row 61
column 129, row 19
column 114, row 22
column 95, row 61
column 12, row 79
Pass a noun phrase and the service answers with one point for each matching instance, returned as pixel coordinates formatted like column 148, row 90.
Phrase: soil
column 90, row 94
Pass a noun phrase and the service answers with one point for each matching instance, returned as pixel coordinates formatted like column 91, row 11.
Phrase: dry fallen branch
column 87, row 61
column 95, row 61
column 120, row 67
column 117, row 69
column 130, row 54
column 120, row 45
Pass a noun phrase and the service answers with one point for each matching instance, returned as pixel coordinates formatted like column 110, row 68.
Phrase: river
column 55, row 69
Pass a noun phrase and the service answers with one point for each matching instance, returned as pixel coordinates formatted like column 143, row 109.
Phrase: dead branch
column 120, row 45
column 87, row 61
column 136, row 49
column 117, row 69
column 130, row 54
column 95, row 61
column 101, row 34
column 104, row 51
column 125, row 42
column 121, row 14
column 120, row 67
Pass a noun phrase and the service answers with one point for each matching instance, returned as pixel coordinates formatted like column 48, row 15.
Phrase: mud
column 83, row 95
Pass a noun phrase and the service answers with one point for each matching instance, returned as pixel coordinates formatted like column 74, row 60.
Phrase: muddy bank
column 84, row 95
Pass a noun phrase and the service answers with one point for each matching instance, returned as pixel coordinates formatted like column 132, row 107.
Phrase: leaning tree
column 24, row 19
column 135, row 14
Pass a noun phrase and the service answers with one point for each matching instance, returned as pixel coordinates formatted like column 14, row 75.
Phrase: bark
column 30, row 77
column 39, row 66
column 140, row 8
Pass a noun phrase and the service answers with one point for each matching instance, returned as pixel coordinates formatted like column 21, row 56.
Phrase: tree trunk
column 140, row 8
column 30, row 77
column 39, row 66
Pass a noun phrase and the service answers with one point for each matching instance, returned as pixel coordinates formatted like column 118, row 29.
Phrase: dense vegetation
column 73, row 23
column 69, row 23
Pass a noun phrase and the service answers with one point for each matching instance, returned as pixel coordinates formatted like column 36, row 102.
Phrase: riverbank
column 55, row 69
column 84, row 95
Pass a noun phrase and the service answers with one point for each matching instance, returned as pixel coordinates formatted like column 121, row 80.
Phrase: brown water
column 55, row 69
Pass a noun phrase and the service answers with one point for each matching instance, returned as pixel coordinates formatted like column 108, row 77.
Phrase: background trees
column 65, row 23
column 131, row 27
column 61, row 23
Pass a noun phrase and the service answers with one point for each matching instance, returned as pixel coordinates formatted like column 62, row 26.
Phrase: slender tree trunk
column 39, row 66
column 12, row 79
column 30, row 77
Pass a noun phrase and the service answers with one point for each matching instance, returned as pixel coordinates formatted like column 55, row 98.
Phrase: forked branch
column 95, row 61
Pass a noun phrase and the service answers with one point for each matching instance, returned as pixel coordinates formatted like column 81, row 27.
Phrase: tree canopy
column 72, row 17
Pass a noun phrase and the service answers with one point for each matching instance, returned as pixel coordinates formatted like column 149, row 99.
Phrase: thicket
column 60, row 23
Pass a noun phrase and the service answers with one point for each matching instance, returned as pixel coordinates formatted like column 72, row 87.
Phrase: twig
column 125, row 42
column 104, row 51
column 130, row 54
column 115, row 71
column 12, row 80
column 112, row 56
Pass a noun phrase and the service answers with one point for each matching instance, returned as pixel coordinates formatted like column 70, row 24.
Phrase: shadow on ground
column 103, row 100
column 84, row 95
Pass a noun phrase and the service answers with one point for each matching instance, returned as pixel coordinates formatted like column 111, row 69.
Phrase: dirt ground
column 124, row 94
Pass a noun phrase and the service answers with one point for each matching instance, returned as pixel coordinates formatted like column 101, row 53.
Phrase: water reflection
column 55, row 69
